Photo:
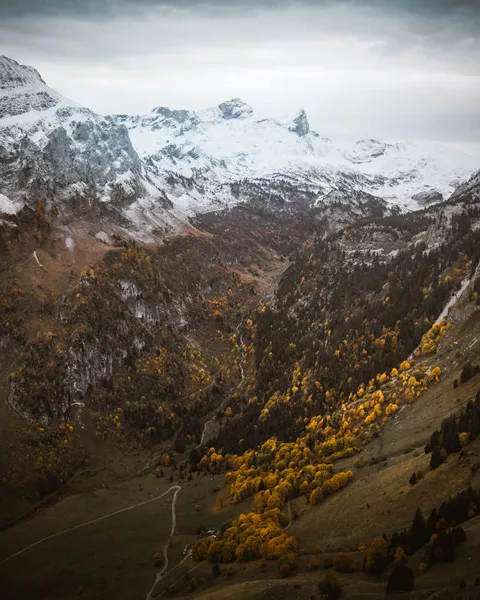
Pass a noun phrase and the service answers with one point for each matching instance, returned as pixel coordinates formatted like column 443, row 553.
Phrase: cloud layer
column 392, row 69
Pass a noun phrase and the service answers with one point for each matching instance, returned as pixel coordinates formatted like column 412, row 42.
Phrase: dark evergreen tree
column 434, row 442
column 401, row 579
column 436, row 459
column 467, row 372
column 432, row 522
column 418, row 532
column 449, row 432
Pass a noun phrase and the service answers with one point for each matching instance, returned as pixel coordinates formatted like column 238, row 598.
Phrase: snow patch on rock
column 7, row 207
column 70, row 244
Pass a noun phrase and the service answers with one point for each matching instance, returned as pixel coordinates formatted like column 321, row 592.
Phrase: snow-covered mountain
column 471, row 188
column 199, row 158
column 149, row 174
column 55, row 150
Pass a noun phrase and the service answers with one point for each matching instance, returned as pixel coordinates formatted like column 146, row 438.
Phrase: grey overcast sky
column 394, row 69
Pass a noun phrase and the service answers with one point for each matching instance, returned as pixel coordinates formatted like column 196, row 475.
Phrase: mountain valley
column 237, row 359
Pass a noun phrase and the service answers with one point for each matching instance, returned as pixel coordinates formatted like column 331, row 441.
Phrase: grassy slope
column 380, row 498
column 114, row 558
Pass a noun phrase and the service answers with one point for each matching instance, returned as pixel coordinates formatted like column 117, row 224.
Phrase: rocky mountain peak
column 366, row 150
column 180, row 116
column 13, row 74
column 235, row 109
column 54, row 149
column 22, row 89
column 300, row 124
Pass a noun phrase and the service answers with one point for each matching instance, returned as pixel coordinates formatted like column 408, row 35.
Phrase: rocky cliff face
column 53, row 150
column 134, row 301
column 235, row 109
column 22, row 89
column 300, row 124
column 470, row 188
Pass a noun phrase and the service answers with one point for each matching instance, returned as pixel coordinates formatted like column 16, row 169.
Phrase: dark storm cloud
column 463, row 9
column 425, row 24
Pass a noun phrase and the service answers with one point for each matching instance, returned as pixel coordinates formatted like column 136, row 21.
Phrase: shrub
column 316, row 496
column 286, row 564
column 330, row 586
column 288, row 559
column 345, row 563
column 401, row 579
column 400, row 556
column 200, row 549
column 391, row 409
column 212, row 552
column 336, row 482
column 313, row 565
column 376, row 557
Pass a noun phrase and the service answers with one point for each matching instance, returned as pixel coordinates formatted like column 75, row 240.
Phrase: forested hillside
column 265, row 351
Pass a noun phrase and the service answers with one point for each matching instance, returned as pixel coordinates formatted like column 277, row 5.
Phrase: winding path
column 177, row 489
column 161, row 573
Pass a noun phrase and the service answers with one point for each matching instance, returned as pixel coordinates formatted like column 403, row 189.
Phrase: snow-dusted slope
column 150, row 173
column 197, row 157
column 55, row 150
column 470, row 187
